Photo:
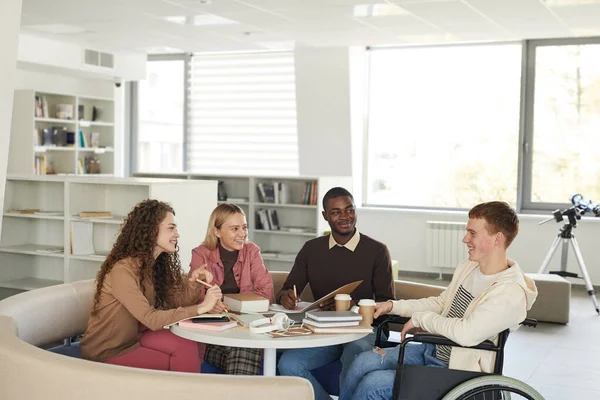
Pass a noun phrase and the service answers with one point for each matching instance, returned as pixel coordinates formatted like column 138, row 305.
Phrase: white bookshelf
column 35, row 249
column 279, row 247
column 64, row 159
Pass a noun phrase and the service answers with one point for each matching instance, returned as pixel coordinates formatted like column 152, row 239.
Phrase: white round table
column 242, row 337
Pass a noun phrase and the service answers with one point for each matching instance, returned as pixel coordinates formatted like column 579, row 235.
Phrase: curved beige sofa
column 43, row 316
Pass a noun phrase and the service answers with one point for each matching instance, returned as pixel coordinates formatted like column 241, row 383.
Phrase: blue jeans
column 371, row 376
column 300, row 362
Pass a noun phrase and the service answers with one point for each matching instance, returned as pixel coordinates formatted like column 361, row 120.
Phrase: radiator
column 443, row 244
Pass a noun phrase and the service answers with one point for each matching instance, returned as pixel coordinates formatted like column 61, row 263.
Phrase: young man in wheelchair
column 488, row 294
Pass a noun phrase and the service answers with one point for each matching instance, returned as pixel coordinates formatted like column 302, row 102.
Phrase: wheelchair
column 418, row 382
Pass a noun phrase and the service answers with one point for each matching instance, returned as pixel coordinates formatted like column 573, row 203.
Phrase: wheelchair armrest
column 431, row 338
column 530, row 322
column 383, row 321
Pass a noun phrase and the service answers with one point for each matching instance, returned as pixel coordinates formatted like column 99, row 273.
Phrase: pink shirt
column 249, row 271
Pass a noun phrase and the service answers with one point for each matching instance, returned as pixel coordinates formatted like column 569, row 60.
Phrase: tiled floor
column 562, row 362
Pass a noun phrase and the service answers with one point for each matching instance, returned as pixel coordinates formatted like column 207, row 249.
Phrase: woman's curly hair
column 137, row 239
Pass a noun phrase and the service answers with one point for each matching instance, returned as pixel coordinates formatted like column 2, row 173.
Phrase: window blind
column 242, row 114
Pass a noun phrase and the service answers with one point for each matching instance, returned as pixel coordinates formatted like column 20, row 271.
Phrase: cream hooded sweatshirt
column 503, row 305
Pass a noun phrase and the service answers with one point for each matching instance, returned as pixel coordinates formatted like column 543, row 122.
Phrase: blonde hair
column 217, row 218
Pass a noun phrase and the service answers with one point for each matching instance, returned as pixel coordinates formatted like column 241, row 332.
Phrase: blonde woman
column 237, row 267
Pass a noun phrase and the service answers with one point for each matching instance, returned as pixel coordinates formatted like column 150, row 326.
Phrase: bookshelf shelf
column 278, row 258
column 283, row 232
column 61, row 134
column 291, row 210
column 29, row 283
column 114, row 220
column 35, row 250
column 35, row 216
column 299, row 206
column 43, row 149
column 95, row 258
column 55, row 120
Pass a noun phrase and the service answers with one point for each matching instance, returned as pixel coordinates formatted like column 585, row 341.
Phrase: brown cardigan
column 124, row 311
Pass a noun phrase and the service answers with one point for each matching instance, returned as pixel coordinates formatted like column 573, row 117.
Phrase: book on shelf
column 309, row 196
column 361, row 328
column 273, row 219
column 246, row 302
column 333, row 316
column 282, row 193
column 221, row 191
column 305, row 306
column 82, row 239
column 318, row 324
column 95, row 214
column 23, row 210
column 237, row 200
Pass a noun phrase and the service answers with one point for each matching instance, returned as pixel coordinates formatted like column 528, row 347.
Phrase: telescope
column 585, row 205
column 580, row 207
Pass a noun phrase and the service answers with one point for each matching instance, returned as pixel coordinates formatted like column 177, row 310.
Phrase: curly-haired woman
column 139, row 289
column 237, row 267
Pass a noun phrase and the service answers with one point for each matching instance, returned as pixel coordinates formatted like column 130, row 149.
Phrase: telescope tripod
column 566, row 236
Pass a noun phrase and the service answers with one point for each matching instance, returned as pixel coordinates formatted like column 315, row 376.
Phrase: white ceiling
column 139, row 25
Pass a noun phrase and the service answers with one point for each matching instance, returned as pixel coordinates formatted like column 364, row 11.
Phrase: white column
column 10, row 23
column 323, row 111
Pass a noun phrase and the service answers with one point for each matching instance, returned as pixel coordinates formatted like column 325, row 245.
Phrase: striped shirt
column 471, row 287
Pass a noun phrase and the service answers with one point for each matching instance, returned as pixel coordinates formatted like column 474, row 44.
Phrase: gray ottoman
column 553, row 300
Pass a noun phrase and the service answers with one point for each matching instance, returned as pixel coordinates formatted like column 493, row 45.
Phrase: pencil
column 295, row 295
column 204, row 283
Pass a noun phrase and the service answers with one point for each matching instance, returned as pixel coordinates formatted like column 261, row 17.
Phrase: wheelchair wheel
column 493, row 387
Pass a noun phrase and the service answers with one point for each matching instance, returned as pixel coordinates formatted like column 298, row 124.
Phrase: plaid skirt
column 234, row 360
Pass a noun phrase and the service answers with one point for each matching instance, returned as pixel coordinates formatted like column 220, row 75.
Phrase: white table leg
column 269, row 362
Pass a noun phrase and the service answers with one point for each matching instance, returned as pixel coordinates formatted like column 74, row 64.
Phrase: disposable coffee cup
column 366, row 307
column 342, row 302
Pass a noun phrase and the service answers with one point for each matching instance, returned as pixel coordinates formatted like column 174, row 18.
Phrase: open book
column 304, row 306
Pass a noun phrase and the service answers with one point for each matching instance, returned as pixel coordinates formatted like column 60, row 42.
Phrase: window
column 443, row 126
column 242, row 114
column 161, row 115
column 565, row 155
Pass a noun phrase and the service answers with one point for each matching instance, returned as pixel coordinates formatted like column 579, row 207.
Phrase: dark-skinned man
column 327, row 263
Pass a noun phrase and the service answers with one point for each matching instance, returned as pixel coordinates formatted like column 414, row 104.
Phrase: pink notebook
column 208, row 326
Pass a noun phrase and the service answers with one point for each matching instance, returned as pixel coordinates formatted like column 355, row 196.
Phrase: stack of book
column 335, row 322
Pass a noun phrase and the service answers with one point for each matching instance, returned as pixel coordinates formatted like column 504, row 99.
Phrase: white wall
column 403, row 231
column 10, row 22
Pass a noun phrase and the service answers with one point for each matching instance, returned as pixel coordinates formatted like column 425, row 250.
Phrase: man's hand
column 382, row 309
column 201, row 273
column 212, row 296
column 409, row 327
column 327, row 305
column 289, row 300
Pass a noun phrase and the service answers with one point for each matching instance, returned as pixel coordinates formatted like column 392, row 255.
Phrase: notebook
column 304, row 306
column 308, row 321
column 333, row 316
column 342, row 329
column 208, row 326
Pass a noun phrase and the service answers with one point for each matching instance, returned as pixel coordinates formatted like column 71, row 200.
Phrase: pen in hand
column 295, row 296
